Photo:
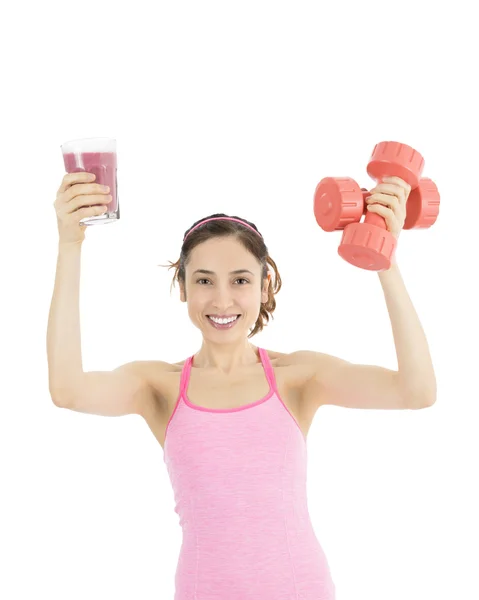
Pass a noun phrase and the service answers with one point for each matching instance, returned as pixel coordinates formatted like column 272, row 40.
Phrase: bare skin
column 243, row 386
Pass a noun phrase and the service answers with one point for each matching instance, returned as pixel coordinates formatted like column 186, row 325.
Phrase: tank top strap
column 185, row 374
column 265, row 361
column 268, row 367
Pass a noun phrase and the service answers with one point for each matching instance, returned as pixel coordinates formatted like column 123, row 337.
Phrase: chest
column 230, row 393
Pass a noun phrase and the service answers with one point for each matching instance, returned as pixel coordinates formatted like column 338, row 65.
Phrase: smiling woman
column 234, row 433
column 233, row 418
column 220, row 226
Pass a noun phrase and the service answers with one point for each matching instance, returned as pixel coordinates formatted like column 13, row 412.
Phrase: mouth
column 223, row 326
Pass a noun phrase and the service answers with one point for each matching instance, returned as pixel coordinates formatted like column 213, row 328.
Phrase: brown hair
column 251, row 242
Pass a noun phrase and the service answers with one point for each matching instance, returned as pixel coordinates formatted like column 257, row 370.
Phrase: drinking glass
column 98, row 156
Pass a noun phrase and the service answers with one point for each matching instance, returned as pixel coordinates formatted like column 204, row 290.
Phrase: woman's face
column 222, row 291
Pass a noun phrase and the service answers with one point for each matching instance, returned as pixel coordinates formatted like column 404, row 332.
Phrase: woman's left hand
column 388, row 199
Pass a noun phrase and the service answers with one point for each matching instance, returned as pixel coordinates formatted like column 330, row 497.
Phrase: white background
column 239, row 108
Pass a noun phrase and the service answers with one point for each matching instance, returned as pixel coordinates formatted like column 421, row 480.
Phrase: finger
column 83, row 202
column 388, row 215
column 398, row 181
column 73, row 178
column 385, row 199
column 381, row 208
column 394, row 190
column 383, row 212
column 82, row 190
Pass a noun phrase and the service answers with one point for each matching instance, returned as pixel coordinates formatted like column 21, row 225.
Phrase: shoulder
column 299, row 367
column 302, row 366
column 307, row 372
column 312, row 364
column 151, row 373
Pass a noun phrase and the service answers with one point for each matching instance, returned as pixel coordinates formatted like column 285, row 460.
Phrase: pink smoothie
column 102, row 164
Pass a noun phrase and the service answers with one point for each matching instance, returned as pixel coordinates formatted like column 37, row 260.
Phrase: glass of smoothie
column 98, row 156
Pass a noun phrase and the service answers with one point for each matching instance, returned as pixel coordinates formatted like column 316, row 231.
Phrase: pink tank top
column 239, row 482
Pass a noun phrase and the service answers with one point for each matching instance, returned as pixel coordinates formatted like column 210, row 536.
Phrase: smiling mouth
column 236, row 317
column 227, row 325
column 228, row 317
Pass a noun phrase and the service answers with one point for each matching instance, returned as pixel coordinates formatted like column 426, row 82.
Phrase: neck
column 225, row 358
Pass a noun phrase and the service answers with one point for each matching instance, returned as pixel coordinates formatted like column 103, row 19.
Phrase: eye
column 239, row 279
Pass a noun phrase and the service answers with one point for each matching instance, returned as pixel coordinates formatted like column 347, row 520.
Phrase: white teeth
column 223, row 321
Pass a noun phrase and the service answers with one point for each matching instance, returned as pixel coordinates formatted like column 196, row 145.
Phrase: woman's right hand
column 78, row 197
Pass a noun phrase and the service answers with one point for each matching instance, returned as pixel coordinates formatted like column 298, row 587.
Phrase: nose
column 223, row 301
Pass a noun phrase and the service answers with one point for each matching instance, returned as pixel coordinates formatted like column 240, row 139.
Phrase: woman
column 233, row 418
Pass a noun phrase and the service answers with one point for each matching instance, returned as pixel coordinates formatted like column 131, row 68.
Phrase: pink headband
column 222, row 219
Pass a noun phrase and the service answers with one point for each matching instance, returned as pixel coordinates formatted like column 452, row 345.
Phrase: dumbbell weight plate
column 422, row 207
column 338, row 201
column 394, row 158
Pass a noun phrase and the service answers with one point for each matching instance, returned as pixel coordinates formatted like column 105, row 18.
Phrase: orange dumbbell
column 339, row 203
